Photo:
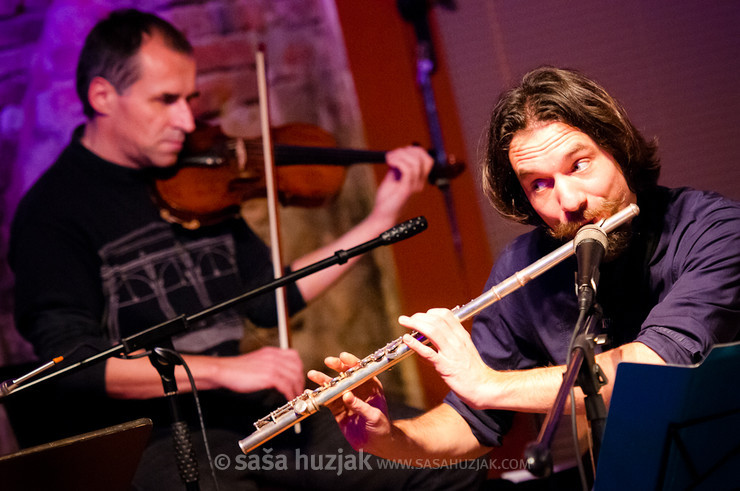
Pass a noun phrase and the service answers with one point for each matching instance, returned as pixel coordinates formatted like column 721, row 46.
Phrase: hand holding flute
column 362, row 413
column 454, row 356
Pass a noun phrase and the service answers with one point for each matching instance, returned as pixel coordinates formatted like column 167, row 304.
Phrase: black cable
column 194, row 390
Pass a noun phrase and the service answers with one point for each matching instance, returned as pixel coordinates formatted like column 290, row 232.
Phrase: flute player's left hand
column 362, row 413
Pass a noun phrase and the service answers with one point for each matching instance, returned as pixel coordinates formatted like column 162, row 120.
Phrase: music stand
column 103, row 459
column 674, row 427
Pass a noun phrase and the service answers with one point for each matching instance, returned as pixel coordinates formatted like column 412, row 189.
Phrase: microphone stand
column 416, row 13
column 583, row 371
column 165, row 360
column 153, row 335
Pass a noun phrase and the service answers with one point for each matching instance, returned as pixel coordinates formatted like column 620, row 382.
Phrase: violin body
column 215, row 174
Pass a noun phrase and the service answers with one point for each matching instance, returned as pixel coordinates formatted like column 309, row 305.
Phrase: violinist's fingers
column 414, row 163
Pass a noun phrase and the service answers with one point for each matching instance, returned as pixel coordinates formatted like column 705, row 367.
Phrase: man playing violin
column 561, row 154
column 94, row 262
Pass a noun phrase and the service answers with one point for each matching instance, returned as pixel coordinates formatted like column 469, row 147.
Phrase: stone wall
column 309, row 82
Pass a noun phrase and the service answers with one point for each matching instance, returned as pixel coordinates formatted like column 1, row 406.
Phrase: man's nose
column 571, row 196
column 183, row 117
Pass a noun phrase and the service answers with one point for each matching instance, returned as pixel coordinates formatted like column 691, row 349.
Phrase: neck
column 95, row 138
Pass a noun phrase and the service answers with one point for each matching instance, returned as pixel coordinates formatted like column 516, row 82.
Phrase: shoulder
column 700, row 217
column 695, row 231
column 687, row 205
column 54, row 185
column 684, row 218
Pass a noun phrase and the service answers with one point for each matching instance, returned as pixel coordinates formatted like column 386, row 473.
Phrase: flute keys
column 300, row 407
column 305, row 406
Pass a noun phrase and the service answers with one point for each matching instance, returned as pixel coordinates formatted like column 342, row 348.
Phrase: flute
column 311, row 401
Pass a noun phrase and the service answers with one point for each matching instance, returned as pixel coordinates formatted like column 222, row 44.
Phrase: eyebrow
column 578, row 147
column 188, row 97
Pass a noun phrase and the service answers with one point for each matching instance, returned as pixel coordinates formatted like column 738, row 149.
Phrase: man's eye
column 538, row 185
column 581, row 165
column 169, row 99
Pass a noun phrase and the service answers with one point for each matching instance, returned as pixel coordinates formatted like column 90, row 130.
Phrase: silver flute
column 311, row 401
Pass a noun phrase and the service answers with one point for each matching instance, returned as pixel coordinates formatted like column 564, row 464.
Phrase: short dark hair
column 549, row 94
column 111, row 47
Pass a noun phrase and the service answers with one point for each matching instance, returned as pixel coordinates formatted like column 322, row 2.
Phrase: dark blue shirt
column 675, row 289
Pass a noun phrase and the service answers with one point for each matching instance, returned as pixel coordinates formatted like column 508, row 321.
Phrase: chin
column 164, row 163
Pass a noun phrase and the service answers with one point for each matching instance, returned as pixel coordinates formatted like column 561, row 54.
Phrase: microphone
column 400, row 232
column 404, row 230
column 9, row 386
column 590, row 246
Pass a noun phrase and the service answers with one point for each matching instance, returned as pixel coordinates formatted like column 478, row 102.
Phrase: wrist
column 489, row 389
column 378, row 221
column 206, row 371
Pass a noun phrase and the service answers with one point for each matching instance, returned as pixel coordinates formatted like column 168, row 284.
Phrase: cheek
column 136, row 124
column 547, row 209
column 617, row 186
column 612, row 181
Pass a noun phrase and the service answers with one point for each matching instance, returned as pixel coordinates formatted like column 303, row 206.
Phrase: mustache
column 567, row 231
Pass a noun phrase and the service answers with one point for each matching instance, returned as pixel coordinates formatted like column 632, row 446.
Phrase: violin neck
column 297, row 155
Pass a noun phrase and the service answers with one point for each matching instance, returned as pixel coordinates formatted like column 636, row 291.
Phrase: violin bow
column 415, row 12
column 272, row 201
column 272, row 197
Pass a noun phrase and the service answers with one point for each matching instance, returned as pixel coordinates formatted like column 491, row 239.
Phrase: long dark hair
column 111, row 47
column 549, row 94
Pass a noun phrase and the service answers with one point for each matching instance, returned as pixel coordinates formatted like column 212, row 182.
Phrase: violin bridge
column 241, row 155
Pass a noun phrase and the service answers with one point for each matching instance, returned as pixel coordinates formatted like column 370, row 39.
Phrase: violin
column 216, row 173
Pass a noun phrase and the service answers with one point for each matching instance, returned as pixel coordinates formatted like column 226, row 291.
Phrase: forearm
column 138, row 379
column 265, row 368
column 439, row 434
column 408, row 171
column 535, row 390
column 313, row 285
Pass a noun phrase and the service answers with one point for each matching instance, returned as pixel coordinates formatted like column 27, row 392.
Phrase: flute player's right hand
column 362, row 413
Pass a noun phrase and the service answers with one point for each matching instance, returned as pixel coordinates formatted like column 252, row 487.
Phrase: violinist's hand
column 362, row 413
column 454, row 355
column 266, row 368
column 408, row 170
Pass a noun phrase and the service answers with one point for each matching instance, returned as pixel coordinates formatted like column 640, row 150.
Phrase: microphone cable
column 198, row 408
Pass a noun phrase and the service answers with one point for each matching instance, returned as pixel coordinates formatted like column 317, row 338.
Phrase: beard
column 618, row 240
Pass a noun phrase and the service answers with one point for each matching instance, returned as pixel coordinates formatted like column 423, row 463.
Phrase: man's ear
column 101, row 94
